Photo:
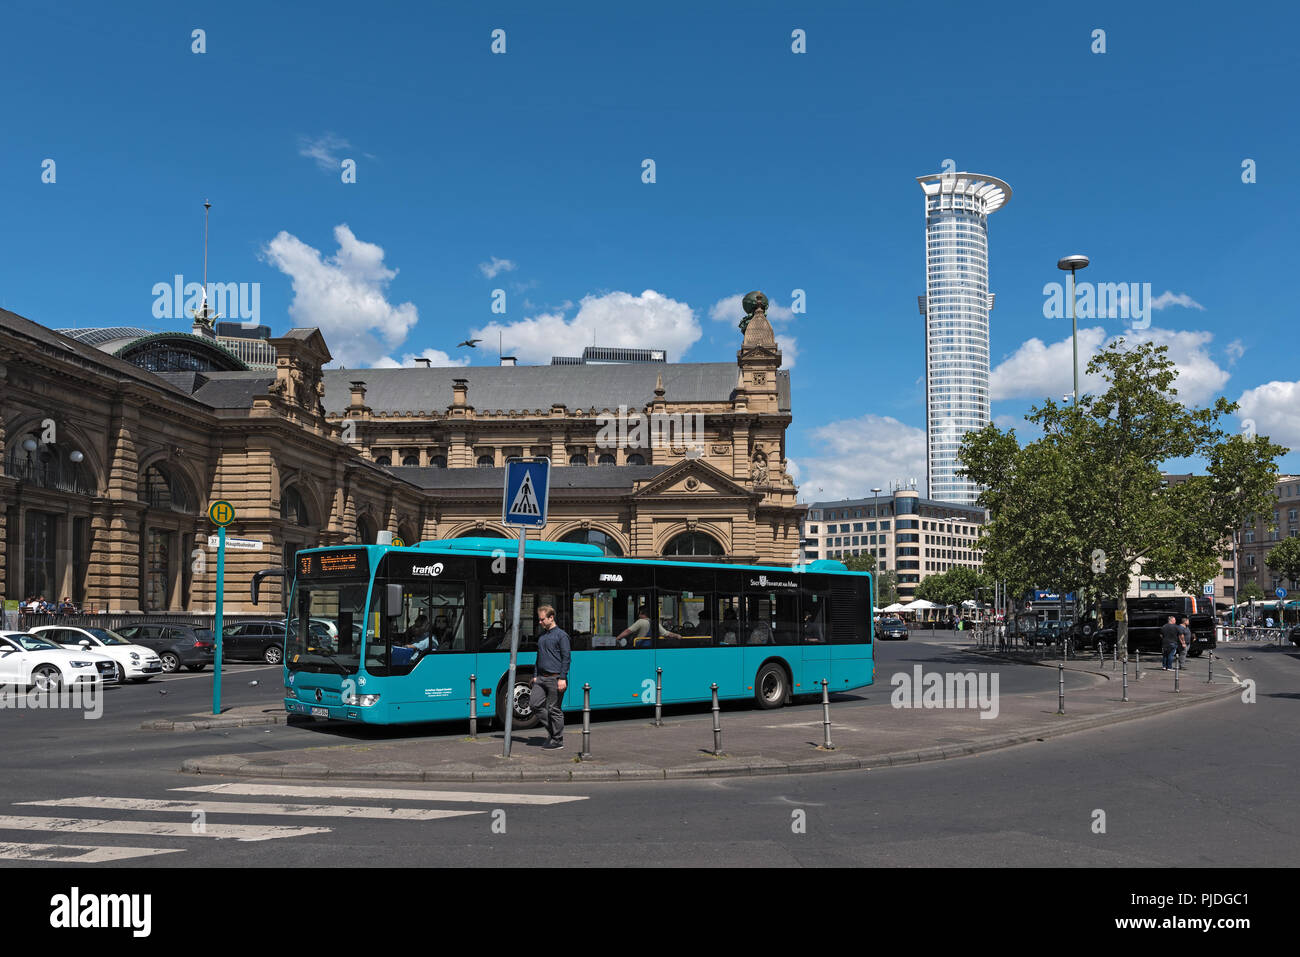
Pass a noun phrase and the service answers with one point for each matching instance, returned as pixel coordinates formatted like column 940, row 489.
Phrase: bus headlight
column 360, row 700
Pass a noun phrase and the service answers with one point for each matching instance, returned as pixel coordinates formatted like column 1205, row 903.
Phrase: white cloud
column 1168, row 298
column 860, row 454
column 731, row 310
column 647, row 321
column 1234, row 350
column 1037, row 370
column 491, row 269
column 438, row 357
column 792, row 469
column 1274, row 408
column 344, row 296
column 324, row 150
column 789, row 347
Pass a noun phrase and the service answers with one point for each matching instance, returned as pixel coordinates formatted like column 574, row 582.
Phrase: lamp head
column 1071, row 263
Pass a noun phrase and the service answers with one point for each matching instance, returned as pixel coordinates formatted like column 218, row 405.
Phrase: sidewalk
column 754, row 742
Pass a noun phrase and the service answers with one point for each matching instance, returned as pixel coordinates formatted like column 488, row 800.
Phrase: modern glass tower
column 956, row 308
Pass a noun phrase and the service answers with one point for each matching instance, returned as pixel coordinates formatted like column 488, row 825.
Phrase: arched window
column 50, row 466
column 636, row 459
column 411, row 460
column 367, row 531
column 606, row 460
column 438, row 461
column 162, row 488
column 481, row 533
column 577, row 460
column 485, row 462
column 592, row 536
column 384, row 460
column 693, row 543
column 292, row 507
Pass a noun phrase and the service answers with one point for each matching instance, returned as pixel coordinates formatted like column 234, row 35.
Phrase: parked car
column 178, row 644
column 135, row 662
column 1294, row 637
column 254, row 641
column 892, row 629
column 35, row 661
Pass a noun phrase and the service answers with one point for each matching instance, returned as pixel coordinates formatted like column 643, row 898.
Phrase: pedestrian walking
column 1169, row 635
column 552, row 675
column 1184, row 641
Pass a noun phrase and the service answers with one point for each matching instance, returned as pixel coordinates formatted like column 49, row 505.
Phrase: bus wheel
column 525, row 717
column 771, row 686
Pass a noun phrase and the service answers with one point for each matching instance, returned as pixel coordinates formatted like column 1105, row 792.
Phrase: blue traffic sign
column 1281, row 593
column 528, row 485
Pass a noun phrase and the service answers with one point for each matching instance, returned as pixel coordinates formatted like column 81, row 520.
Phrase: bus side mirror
column 392, row 600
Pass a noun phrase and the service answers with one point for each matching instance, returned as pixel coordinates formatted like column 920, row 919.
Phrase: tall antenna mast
column 205, row 317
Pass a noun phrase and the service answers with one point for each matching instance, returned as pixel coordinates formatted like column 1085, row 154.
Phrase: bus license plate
column 320, row 712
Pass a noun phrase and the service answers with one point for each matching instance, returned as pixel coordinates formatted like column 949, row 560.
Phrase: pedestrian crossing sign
column 527, row 491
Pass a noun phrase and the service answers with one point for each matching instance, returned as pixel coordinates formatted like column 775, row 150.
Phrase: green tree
column 1250, row 592
column 860, row 563
column 886, row 589
column 1083, row 507
column 1284, row 560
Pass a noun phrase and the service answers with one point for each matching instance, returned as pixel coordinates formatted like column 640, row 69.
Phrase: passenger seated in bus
column 638, row 631
column 812, row 629
column 442, row 634
column 761, row 634
column 730, row 627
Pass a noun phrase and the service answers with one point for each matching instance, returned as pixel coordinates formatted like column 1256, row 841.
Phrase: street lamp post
column 1074, row 263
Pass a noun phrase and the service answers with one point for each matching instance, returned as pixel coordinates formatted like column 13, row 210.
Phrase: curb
column 216, row 721
column 235, row 765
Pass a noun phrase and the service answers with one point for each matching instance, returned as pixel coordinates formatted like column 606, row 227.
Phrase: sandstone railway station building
column 115, row 442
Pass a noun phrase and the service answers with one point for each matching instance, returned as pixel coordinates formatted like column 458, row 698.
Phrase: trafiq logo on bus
column 435, row 569
column 952, row 690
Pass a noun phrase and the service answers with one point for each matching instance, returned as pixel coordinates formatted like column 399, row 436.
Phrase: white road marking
column 234, row 807
column 384, row 794
column 79, row 853
column 240, row 832
column 225, row 670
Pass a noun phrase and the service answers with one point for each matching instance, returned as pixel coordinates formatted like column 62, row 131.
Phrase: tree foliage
column 955, row 586
column 1284, row 560
column 1085, row 507
column 1250, row 591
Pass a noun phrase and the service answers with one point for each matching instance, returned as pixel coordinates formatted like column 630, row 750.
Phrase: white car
column 137, row 663
column 32, row 660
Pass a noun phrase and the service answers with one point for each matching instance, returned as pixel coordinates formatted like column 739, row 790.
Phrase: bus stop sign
column 528, row 485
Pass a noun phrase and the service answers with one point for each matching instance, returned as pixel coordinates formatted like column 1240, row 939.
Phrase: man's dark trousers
column 552, row 713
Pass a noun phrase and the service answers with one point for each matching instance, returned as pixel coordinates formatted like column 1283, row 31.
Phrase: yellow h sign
column 221, row 513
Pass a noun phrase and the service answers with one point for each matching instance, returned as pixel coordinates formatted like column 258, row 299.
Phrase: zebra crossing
column 198, row 802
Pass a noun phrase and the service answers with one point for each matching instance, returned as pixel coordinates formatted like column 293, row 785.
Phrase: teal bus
column 389, row 635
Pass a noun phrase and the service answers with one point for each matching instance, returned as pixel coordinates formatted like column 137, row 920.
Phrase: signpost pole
column 514, row 639
column 221, row 582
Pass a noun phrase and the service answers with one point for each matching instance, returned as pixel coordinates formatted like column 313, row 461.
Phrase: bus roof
column 581, row 552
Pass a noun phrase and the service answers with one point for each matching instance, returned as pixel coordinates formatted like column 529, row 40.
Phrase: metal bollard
column 1114, row 656
column 1125, row 698
column 826, row 717
column 717, row 722
column 1101, row 655
column 586, row 721
column 1060, row 671
column 473, row 706
column 1138, row 655
column 1209, row 655
column 1176, row 673
column 659, row 698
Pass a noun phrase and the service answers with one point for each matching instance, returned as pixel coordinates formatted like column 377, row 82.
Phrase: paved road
column 1209, row 785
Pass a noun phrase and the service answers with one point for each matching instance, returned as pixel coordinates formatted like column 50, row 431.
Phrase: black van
column 1146, row 616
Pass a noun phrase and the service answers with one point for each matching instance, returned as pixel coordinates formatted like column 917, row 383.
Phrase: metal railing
column 55, row 474
column 114, row 620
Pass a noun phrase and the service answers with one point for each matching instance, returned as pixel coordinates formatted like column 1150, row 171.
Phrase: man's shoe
column 553, row 746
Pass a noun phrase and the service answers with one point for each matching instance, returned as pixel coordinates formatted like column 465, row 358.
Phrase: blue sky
column 773, row 170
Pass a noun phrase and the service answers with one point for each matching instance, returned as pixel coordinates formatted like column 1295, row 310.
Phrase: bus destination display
column 348, row 563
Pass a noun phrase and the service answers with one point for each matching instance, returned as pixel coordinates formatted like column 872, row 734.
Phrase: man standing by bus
column 1184, row 641
column 553, row 675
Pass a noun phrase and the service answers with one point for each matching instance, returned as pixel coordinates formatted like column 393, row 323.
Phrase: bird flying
column 472, row 343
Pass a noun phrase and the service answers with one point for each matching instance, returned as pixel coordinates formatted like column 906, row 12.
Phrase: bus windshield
column 326, row 634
